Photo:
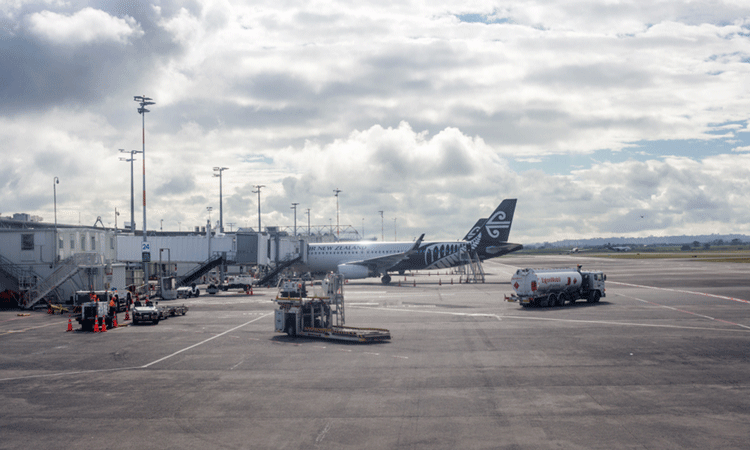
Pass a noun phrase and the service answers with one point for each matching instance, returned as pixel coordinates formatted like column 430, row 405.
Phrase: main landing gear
column 386, row 279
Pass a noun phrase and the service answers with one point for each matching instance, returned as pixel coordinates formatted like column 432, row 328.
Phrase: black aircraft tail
column 474, row 231
column 491, row 238
column 497, row 227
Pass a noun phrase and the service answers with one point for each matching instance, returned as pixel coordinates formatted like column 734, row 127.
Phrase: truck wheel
column 593, row 297
column 597, row 296
column 551, row 300
column 562, row 299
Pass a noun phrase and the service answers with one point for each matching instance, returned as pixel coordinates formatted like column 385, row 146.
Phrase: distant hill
column 650, row 240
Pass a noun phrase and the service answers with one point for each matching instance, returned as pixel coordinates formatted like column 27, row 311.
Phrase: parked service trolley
column 320, row 314
column 556, row 287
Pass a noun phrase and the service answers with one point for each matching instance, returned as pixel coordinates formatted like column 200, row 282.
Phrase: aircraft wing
column 381, row 264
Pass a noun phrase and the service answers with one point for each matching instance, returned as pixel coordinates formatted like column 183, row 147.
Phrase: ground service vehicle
column 320, row 315
column 149, row 311
column 556, row 287
column 121, row 299
column 92, row 312
column 188, row 291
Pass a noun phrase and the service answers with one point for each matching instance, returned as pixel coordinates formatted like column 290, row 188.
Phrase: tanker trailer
column 556, row 287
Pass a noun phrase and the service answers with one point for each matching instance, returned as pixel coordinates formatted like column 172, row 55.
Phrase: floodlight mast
column 144, row 101
column 132, row 195
column 221, row 201
column 336, row 193
column 257, row 191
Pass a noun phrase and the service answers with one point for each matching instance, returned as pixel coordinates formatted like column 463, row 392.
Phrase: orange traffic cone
column 114, row 321
column 251, row 290
column 415, row 283
column 451, row 281
column 70, row 325
column 104, row 325
column 440, row 281
column 127, row 314
column 96, row 325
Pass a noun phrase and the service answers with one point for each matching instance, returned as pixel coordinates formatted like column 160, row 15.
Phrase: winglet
column 418, row 243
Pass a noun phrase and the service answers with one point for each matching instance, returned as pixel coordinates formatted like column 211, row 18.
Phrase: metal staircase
column 62, row 273
column 25, row 277
column 471, row 267
column 202, row 269
column 271, row 276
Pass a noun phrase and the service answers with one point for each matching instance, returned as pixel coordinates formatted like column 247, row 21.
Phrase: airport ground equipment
column 154, row 312
column 556, row 287
column 92, row 312
column 188, row 291
column 81, row 297
column 320, row 314
column 146, row 312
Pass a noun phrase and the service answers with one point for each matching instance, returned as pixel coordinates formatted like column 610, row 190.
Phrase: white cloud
column 86, row 26
column 402, row 106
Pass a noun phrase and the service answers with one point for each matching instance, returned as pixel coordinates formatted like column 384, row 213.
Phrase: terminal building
column 42, row 262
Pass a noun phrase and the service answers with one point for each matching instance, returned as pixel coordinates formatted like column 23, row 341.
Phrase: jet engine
column 353, row 271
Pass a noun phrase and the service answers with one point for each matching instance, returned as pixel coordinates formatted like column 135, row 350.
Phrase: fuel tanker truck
column 556, row 287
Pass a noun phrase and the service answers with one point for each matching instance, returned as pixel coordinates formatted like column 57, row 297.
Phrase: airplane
column 488, row 238
column 619, row 249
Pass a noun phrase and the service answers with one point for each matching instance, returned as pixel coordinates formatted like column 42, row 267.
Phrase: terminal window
column 27, row 242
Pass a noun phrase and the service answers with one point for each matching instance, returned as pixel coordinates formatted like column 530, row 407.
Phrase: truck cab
column 593, row 282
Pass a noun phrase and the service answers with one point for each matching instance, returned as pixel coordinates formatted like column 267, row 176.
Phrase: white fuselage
column 322, row 258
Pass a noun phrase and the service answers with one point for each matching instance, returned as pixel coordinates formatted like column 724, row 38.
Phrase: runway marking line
column 682, row 291
column 145, row 366
column 62, row 323
column 685, row 311
column 553, row 319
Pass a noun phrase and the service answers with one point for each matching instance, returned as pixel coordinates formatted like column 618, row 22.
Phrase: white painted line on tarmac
column 62, row 324
column 204, row 341
column 117, row 369
column 685, row 311
column 682, row 291
column 554, row 319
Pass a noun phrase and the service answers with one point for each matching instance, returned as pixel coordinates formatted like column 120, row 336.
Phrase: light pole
column 144, row 101
column 337, row 211
column 258, row 186
column 209, row 209
column 382, row 236
column 221, row 202
column 308, row 221
column 55, row 182
column 294, row 207
column 132, row 195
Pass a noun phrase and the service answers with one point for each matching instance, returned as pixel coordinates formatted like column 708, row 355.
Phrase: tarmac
column 660, row 363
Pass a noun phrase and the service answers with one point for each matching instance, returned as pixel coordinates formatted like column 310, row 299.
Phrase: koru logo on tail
column 496, row 223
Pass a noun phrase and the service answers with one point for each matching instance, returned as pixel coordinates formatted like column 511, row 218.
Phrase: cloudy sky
column 618, row 118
